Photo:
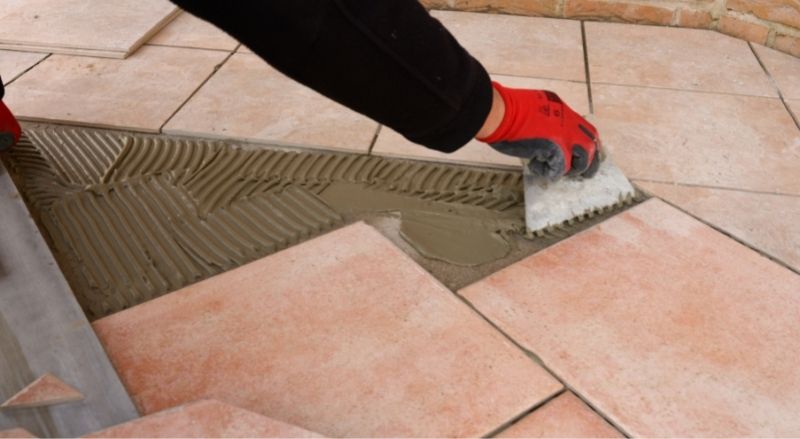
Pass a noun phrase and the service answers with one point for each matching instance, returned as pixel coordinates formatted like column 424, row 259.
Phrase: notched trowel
column 551, row 205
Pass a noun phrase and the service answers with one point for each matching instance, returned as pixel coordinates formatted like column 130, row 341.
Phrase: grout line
column 176, row 46
column 654, row 87
column 374, row 139
column 543, row 78
column 536, row 359
column 508, row 424
column 722, row 188
column 774, row 84
column 28, row 69
column 586, row 67
column 191, row 95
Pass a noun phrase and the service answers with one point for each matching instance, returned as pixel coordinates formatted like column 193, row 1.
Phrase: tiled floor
column 16, row 433
column 673, row 330
column 344, row 335
column 13, row 63
column 785, row 70
column 189, row 31
column 564, row 416
column 46, row 390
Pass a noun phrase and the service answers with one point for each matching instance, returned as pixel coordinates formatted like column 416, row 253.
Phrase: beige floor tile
column 738, row 142
column 688, row 59
column 784, row 68
column 138, row 93
column 249, row 100
column 343, row 335
column 13, row 63
column 672, row 329
column 189, row 31
column 204, row 419
column 16, row 433
column 390, row 143
column 520, row 46
column 82, row 27
column 564, row 416
column 794, row 107
column 766, row 222
column 44, row 391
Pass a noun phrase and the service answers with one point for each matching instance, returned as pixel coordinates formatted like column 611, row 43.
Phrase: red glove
column 9, row 127
column 539, row 126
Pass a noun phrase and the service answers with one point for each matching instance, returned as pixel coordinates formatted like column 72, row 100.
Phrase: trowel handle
column 10, row 130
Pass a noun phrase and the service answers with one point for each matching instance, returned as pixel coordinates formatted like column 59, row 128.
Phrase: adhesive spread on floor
column 133, row 217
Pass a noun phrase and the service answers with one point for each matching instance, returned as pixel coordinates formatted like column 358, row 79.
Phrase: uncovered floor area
column 254, row 260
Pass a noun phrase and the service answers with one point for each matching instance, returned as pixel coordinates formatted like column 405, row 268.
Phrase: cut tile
column 766, row 222
column 16, row 433
column 784, row 69
column 564, row 416
column 392, row 144
column 669, row 57
column 737, row 142
column 46, row 390
column 249, row 100
column 676, row 330
column 139, row 93
column 204, row 419
column 521, row 46
column 189, row 31
column 82, row 27
column 12, row 63
column 343, row 335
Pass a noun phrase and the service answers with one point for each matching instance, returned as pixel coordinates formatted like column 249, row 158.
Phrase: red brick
column 519, row 7
column 788, row 44
column 694, row 18
column 618, row 11
column 780, row 11
column 754, row 32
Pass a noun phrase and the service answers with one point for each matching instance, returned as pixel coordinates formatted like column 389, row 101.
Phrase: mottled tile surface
column 764, row 221
column 15, row 433
column 12, row 63
column 564, row 416
column 189, row 31
column 688, row 59
column 738, row 142
column 390, row 143
column 46, row 390
column 794, row 107
column 204, row 419
column 343, row 335
column 139, row 93
column 784, row 69
column 520, row 46
column 86, row 27
column 672, row 329
column 249, row 100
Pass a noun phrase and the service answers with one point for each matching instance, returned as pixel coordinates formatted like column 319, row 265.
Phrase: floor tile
column 82, row 27
column 249, row 100
column 784, row 69
column 521, row 46
column 139, row 93
column 671, row 57
column 706, row 139
column 390, row 143
column 766, row 222
column 13, row 63
column 16, row 433
column 189, row 31
column 564, row 416
column 204, row 419
column 46, row 390
column 794, row 107
column 674, row 330
column 343, row 335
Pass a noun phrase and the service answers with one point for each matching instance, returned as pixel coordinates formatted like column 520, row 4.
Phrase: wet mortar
column 131, row 217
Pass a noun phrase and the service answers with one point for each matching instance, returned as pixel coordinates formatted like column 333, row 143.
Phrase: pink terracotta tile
column 766, row 222
column 687, row 59
column 736, row 142
column 784, row 68
column 16, row 433
column 521, row 46
column 668, row 327
column 564, row 416
column 13, row 63
column 139, row 93
column 794, row 107
column 392, row 144
column 46, row 390
column 343, row 335
column 249, row 100
column 204, row 419
column 189, row 31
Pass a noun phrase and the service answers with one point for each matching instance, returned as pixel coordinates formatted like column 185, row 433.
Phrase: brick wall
column 774, row 23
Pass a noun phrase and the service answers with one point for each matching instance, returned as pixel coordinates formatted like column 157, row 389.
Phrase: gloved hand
column 539, row 126
column 10, row 130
